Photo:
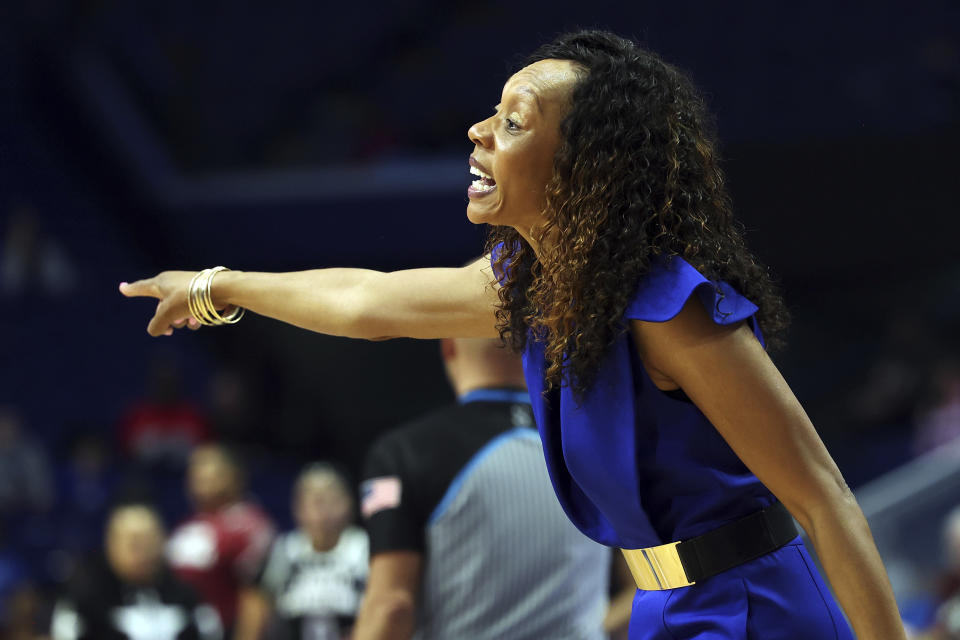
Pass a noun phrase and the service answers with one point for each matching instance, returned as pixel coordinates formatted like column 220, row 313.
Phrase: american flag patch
column 377, row 494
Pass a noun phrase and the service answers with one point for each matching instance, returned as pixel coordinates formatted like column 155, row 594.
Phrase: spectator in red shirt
column 163, row 427
column 221, row 548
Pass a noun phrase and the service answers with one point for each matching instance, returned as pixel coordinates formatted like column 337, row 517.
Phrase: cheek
column 530, row 168
column 544, row 167
column 526, row 189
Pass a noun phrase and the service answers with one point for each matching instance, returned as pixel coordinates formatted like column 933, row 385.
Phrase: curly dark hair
column 636, row 176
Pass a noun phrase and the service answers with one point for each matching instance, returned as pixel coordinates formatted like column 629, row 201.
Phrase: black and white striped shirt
column 468, row 487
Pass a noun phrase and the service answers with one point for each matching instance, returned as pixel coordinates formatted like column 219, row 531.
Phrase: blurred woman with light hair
column 130, row 594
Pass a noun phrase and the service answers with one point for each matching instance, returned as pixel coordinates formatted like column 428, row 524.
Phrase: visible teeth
column 479, row 185
column 477, row 172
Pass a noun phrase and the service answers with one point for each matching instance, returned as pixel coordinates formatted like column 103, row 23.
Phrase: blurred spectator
column 130, row 594
column 163, row 427
column 32, row 262
column 26, row 483
column 939, row 422
column 222, row 547
column 467, row 539
column 24, row 615
column 316, row 574
column 948, row 615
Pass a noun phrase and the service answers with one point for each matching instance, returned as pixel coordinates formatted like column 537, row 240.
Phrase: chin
column 474, row 217
column 483, row 216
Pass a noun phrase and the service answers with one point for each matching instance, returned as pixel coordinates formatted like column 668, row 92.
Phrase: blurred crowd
column 86, row 535
column 223, row 572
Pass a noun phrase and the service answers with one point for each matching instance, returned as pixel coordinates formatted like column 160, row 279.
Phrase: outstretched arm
column 729, row 376
column 355, row 303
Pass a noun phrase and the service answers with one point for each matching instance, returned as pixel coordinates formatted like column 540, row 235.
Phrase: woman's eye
column 511, row 125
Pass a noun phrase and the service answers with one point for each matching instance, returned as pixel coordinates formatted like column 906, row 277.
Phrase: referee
column 467, row 539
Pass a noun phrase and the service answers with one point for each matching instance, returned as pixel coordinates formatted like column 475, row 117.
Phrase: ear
column 447, row 349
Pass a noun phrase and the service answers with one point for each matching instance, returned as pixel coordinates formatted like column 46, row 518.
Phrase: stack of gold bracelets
column 200, row 301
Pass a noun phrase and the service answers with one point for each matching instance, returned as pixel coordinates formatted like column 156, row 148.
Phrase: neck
column 534, row 236
column 518, row 383
column 139, row 579
column 530, row 237
column 324, row 541
column 217, row 504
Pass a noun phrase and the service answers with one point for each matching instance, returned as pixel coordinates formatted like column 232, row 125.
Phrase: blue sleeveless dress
column 635, row 467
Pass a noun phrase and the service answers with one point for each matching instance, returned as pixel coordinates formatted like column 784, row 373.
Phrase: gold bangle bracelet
column 207, row 299
column 195, row 302
column 192, row 303
column 200, row 300
column 231, row 318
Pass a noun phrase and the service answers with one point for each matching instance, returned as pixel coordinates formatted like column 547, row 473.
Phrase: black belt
column 680, row 564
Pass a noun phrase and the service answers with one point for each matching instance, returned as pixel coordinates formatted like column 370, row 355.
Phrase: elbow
column 369, row 313
column 834, row 501
column 362, row 314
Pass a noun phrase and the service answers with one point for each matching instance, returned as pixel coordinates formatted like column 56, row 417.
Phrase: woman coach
column 616, row 266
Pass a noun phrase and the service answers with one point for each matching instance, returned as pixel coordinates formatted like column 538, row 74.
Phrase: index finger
column 140, row 288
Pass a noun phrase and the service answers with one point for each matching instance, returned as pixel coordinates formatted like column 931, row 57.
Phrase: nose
column 479, row 134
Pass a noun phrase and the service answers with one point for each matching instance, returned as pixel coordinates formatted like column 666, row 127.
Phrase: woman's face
column 514, row 148
column 321, row 508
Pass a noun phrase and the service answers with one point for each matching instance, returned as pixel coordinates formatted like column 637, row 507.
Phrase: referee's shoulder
column 424, row 428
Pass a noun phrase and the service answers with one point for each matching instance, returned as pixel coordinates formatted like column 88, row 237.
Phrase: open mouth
column 484, row 183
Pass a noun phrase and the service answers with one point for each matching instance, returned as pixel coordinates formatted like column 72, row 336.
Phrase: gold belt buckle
column 657, row 568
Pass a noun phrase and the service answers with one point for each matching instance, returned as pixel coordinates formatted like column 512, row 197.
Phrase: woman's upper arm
column 436, row 303
column 728, row 375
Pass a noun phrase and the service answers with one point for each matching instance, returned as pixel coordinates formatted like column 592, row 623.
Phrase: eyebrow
column 530, row 92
